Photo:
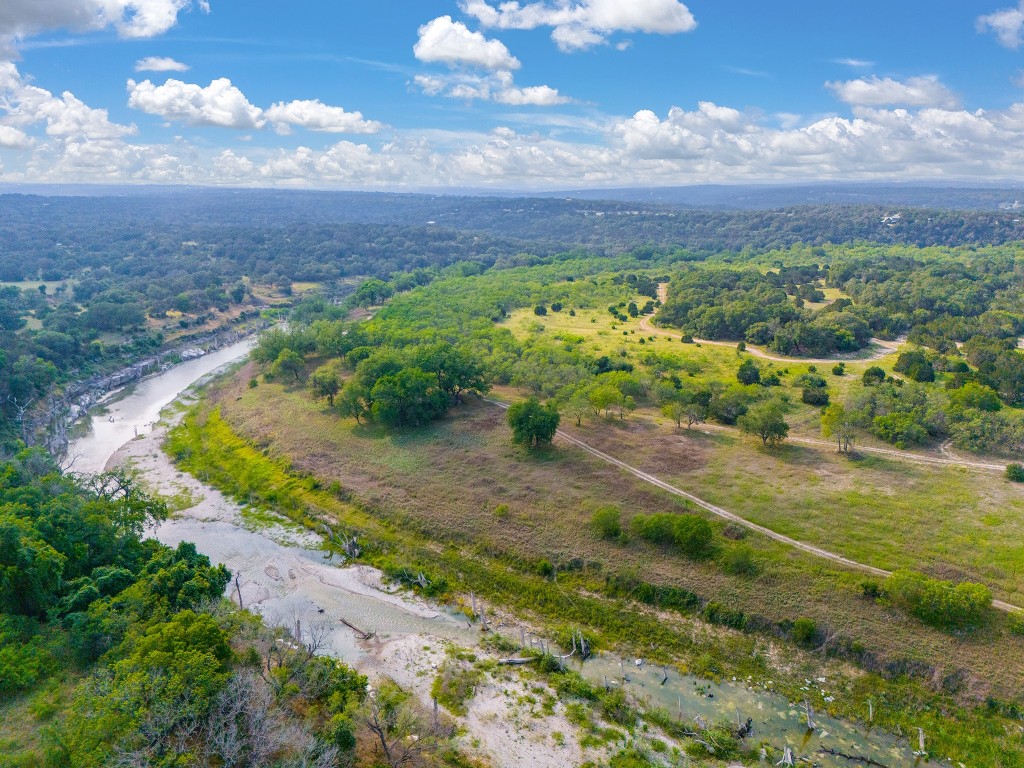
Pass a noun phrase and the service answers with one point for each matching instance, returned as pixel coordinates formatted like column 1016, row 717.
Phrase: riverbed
column 283, row 574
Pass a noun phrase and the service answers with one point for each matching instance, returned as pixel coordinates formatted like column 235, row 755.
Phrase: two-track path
column 725, row 514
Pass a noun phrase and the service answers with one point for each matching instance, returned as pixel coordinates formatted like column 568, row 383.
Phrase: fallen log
column 852, row 758
column 360, row 634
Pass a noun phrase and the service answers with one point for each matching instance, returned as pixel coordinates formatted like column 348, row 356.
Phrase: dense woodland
column 118, row 270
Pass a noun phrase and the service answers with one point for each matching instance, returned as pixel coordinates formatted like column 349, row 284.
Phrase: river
column 283, row 575
column 134, row 409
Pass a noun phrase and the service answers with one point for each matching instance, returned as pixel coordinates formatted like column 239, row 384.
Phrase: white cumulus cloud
column 66, row 117
column 1006, row 24
column 581, row 24
column 12, row 138
column 451, row 42
column 160, row 64
column 131, row 18
column 537, row 95
column 926, row 91
column 218, row 104
column 313, row 115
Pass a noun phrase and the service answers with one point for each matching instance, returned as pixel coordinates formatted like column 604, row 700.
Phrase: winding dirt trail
column 726, row 514
column 881, row 347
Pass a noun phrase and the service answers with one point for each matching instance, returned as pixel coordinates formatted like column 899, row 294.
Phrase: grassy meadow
column 462, row 481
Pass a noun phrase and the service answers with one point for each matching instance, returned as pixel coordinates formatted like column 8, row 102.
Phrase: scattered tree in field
column 325, row 383
column 533, row 423
column 540, row 310
column 627, row 403
column 1015, row 473
column 288, row 362
column 767, row 421
column 674, row 410
column 814, row 396
column 578, row 406
column 695, row 414
column 838, row 423
column 748, row 373
column 605, row 397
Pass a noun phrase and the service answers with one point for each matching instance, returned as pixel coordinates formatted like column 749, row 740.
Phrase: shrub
column 916, row 365
column 1015, row 473
column 871, row 589
column 804, row 631
column 454, row 686
column 607, row 522
column 656, row 528
column 936, row 602
column 815, row 396
column 716, row 613
column 901, row 429
column 748, row 373
column 1015, row 623
column 839, row 370
column 693, row 535
column 873, row 375
column 540, row 310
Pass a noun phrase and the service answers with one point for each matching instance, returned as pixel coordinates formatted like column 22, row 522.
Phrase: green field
column 451, row 479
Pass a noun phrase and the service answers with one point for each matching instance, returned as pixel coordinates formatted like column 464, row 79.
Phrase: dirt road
column 730, row 516
column 880, row 348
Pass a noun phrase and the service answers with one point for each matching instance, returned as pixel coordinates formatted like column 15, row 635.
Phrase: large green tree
column 767, row 421
column 410, row 397
column 533, row 423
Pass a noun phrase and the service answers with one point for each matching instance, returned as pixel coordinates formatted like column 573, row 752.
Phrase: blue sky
column 411, row 94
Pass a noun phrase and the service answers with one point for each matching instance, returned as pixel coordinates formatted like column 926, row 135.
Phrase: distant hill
column 760, row 197
column 386, row 206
